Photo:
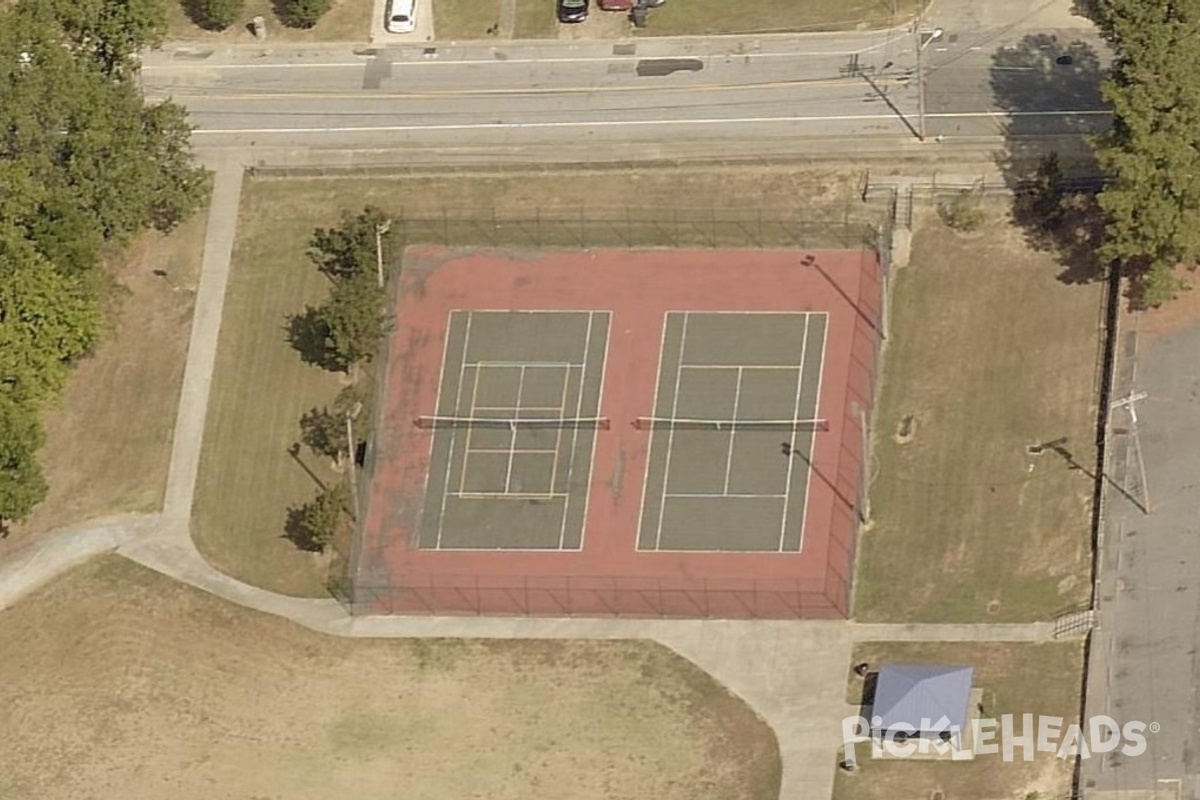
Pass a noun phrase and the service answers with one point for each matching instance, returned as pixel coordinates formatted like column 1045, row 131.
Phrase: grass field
column 347, row 21
column 109, row 440
column 247, row 477
column 989, row 354
column 700, row 17
column 536, row 19
column 1038, row 679
column 120, row 684
column 465, row 19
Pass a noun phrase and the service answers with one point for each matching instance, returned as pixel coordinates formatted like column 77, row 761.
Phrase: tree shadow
column 298, row 533
column 1050, row 89
column 308, row 334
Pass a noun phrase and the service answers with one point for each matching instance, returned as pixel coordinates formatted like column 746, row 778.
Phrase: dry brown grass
column 1039, row 679
column 989, row 353
column 109, row 440
column 120, row 684
column 347, row 21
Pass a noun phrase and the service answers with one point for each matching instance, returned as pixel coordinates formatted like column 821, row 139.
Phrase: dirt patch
column 108, row 443
column 991, row 353
column 122, row 684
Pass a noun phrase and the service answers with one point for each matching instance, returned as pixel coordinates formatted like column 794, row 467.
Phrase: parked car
column 572, row 10
column 401, row 16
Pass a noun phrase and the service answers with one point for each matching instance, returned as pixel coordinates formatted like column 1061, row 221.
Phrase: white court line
column 662, row 343
column 512, row 438
column 562, row 412
column 515, row 411
column 462, row 479
column 700, row 496
column 437, row 545
column 494, row 450
column 662, row 507
column 737, row 399
column 618, row 123
column 741, row 366
column 587, row 346
column 787, row 484
column 587, row 495
column 437, row 407
column 813, row 434
column 508, row 496
column 528, row 364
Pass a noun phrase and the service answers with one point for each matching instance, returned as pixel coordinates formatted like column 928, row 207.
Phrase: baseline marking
column 587, row 494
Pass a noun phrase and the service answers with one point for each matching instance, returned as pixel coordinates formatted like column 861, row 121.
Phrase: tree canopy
column 83, row 162
column 1152, row 151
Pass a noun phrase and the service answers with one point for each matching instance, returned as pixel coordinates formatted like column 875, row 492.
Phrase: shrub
column 303, row 13
column 216, row 15
column 963, row 212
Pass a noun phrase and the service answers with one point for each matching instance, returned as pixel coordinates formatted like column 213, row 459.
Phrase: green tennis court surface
column 734, row 424
column 514, row 430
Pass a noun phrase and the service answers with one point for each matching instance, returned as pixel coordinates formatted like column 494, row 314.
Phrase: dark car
column 572, row 10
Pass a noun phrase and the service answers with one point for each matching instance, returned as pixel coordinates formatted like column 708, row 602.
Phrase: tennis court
column 732, row 433
column 514, row 430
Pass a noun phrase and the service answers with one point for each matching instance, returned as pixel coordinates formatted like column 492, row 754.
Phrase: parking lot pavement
column 1146, row 654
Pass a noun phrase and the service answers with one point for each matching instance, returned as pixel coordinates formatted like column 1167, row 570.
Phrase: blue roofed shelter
column 929, row 701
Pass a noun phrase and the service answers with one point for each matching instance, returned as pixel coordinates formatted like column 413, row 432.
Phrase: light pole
column 380, row 230
column 924, row 38
column 352, row 447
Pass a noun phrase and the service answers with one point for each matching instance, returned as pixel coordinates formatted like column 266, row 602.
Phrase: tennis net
column 722, row 425
column 514, row 423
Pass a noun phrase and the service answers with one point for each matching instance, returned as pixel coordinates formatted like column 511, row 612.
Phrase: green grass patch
column 464, row 19
column 702, row 17
column 989, row 353
column 536, row 19
column 346, row 21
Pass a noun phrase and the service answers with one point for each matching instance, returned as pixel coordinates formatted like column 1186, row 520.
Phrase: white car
column 401, row 16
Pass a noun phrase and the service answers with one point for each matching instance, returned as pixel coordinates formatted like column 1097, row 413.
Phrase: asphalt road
column 854, row 92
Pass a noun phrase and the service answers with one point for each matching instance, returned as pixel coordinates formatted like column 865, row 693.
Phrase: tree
column 1043, row 202
column 48, row 320
column 323, row 430
column 21, row 483
column 316, row 524
column 303, row 13
column 349, row 250
column 216, row 15
column 112, row 31
column 1151, row 153
column 356, row 319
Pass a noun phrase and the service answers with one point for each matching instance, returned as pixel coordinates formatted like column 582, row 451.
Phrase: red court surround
column 609, row 576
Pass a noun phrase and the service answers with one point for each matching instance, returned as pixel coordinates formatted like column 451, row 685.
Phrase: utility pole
column 352, row 446
column 380, row 230
column 924, row 38
column 1130, row 403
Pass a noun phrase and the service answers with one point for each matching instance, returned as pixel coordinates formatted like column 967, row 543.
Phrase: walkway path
column 792, row 672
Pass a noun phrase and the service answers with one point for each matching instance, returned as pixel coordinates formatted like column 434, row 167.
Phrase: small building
column 923, row 701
